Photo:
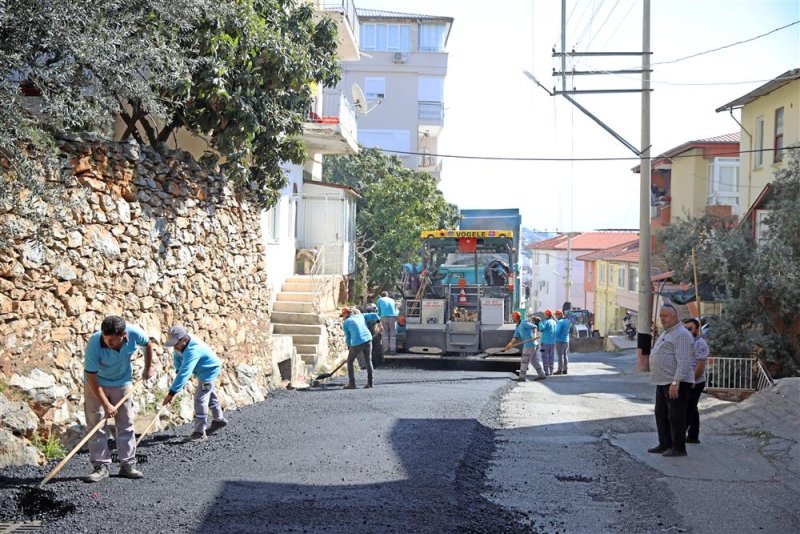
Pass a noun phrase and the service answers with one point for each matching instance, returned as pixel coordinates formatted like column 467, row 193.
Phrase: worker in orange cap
column 548, row 329
column 526, row 331
column 563, row 326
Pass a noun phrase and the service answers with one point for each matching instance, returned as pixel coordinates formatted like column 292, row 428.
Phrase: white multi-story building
column 401, row 74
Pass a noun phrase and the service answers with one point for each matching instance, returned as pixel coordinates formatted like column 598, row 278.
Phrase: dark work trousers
column 692, row 415
column 365, row 349
column 671, row 416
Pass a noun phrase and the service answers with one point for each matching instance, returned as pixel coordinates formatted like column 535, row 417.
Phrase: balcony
column 430, row 117
column 330, row 125
column 343, row 12
column 429, row 163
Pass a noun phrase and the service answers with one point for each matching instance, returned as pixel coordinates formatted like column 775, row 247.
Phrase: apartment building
column 401, row 74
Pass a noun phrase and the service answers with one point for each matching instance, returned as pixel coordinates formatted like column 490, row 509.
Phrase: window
column 546, row 259
column 393, row 37
column 270, row 222
column 621, row 277
column 431, row 37
column 758, row 156
column 610, row 275
column 633, row 279
column 778, row 145
column 536, row 258
column 762, row 229
column 601, row 274
column 723, row 182
column 399, row 140
column 375, row 88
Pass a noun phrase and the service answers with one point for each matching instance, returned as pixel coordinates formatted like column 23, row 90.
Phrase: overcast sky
column 492, row 109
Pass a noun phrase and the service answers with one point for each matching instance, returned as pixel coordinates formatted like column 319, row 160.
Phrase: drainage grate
column 6, row 527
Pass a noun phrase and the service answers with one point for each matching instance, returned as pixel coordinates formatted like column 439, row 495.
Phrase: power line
column 725, row 46
column 534, row 158
column 692, row 84
column 602, row 25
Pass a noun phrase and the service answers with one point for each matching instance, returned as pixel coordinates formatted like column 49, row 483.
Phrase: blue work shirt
column 526, row 330
column 387, row 307
column 113, row 367
column 196, row 359
column 563, row 327
column 355, row 328
column 548, row 327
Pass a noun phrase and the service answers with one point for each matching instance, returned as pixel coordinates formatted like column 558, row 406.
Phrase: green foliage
column 760, row 282
column 235, row 71
column 158, row 398
column 51, row 448
column 397, row 203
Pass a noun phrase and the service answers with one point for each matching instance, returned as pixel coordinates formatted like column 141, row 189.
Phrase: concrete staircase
column 294, row 314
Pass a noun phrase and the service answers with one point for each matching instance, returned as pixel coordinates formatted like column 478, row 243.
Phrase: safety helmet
column 559, row 313
column 516, row 316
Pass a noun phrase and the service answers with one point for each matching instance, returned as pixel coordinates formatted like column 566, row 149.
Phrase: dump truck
column 460, row 298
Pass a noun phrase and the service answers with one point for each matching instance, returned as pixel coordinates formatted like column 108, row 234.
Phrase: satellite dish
column 359, row 99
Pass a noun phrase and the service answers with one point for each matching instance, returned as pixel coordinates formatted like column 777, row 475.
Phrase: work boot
column 557, row 373
column 217, row 424
column 673, row 452
column 658, row 450
column 368, row 386
column 129, row 471
column 692, row 440
column 521, row 379
column 351, row 385
column 197, row 436
column 99, row 473
column 540, row 377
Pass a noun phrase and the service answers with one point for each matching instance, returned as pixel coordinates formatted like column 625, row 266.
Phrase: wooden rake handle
column 82, row 442
column 152, row 422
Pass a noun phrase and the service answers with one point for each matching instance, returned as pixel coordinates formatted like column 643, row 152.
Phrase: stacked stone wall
column 150, row 236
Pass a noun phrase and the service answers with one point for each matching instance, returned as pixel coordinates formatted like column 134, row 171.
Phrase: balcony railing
column 348, row 9
column 737, row 372
column 431, row 111
column 336, row 109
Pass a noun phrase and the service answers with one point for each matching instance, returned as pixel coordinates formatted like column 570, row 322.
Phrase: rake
column 140, row 457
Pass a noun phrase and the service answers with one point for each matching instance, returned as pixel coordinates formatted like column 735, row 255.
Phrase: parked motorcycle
column 630, row 328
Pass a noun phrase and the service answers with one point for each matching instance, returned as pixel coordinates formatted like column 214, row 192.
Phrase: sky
column 493, row 109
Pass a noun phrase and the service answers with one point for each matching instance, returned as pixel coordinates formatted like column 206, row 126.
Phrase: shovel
column 82, row 442
column 324, row 376
column 490, row 352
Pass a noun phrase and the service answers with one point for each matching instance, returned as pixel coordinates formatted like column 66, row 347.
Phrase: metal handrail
column 745, row 372
column 429, row 110
column 318, row 277
column 348, row 9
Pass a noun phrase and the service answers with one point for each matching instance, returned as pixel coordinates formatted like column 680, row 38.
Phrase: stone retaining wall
column 151, row 237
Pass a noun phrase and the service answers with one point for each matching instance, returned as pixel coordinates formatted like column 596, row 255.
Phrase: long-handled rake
column 140, row 457
column 493, row 351
column 83, row 442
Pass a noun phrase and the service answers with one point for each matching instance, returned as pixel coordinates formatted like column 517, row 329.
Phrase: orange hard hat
column 345, row 312
column 548, row 312
column 559, row 313
column 516, row 315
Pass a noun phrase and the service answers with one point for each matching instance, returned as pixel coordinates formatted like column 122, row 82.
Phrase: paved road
column 454, row 451
column 409, row 455
column 572, row 456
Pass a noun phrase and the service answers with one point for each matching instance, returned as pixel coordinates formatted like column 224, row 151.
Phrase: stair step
column 293, row 287
column 306, row 349
column 294, row 318
column 297, row 329
column 302, row 278
column 300, row 339
column 308, row 359
column 300, row 307
column 296, row 296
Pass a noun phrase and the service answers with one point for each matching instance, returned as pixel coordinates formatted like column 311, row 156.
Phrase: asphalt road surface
column 410, row 455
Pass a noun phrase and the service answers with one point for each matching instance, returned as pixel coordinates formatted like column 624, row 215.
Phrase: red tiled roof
column 586, row 241
column 627, row 251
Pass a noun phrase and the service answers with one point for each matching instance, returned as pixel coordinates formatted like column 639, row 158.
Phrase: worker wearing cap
column 548, row 329
column 563, row 326
column 193, row 357
column 359, row 340
column 526, row 332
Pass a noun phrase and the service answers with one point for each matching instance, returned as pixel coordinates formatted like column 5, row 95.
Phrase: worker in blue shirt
column 193, row 357
column 526, row 331
column 563, row 326
column 387, row 309
column 108, row 379
column 359, row 340
column 548, row 330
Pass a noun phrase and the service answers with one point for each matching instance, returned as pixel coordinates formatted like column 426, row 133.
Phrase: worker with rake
column 108, row 377
column 193, row 357
column 526, row 332
column 359, row 340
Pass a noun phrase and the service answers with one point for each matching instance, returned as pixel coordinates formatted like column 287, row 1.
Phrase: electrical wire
column 535, row 158
column 602, row 24
column 619, row 25
column 725, row 46
column 691, row 84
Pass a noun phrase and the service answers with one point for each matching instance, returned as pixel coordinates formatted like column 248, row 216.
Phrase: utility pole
column 644, row 339
column 568, row 283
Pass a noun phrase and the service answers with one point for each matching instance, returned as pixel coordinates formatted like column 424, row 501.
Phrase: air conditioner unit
column 400, row 57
